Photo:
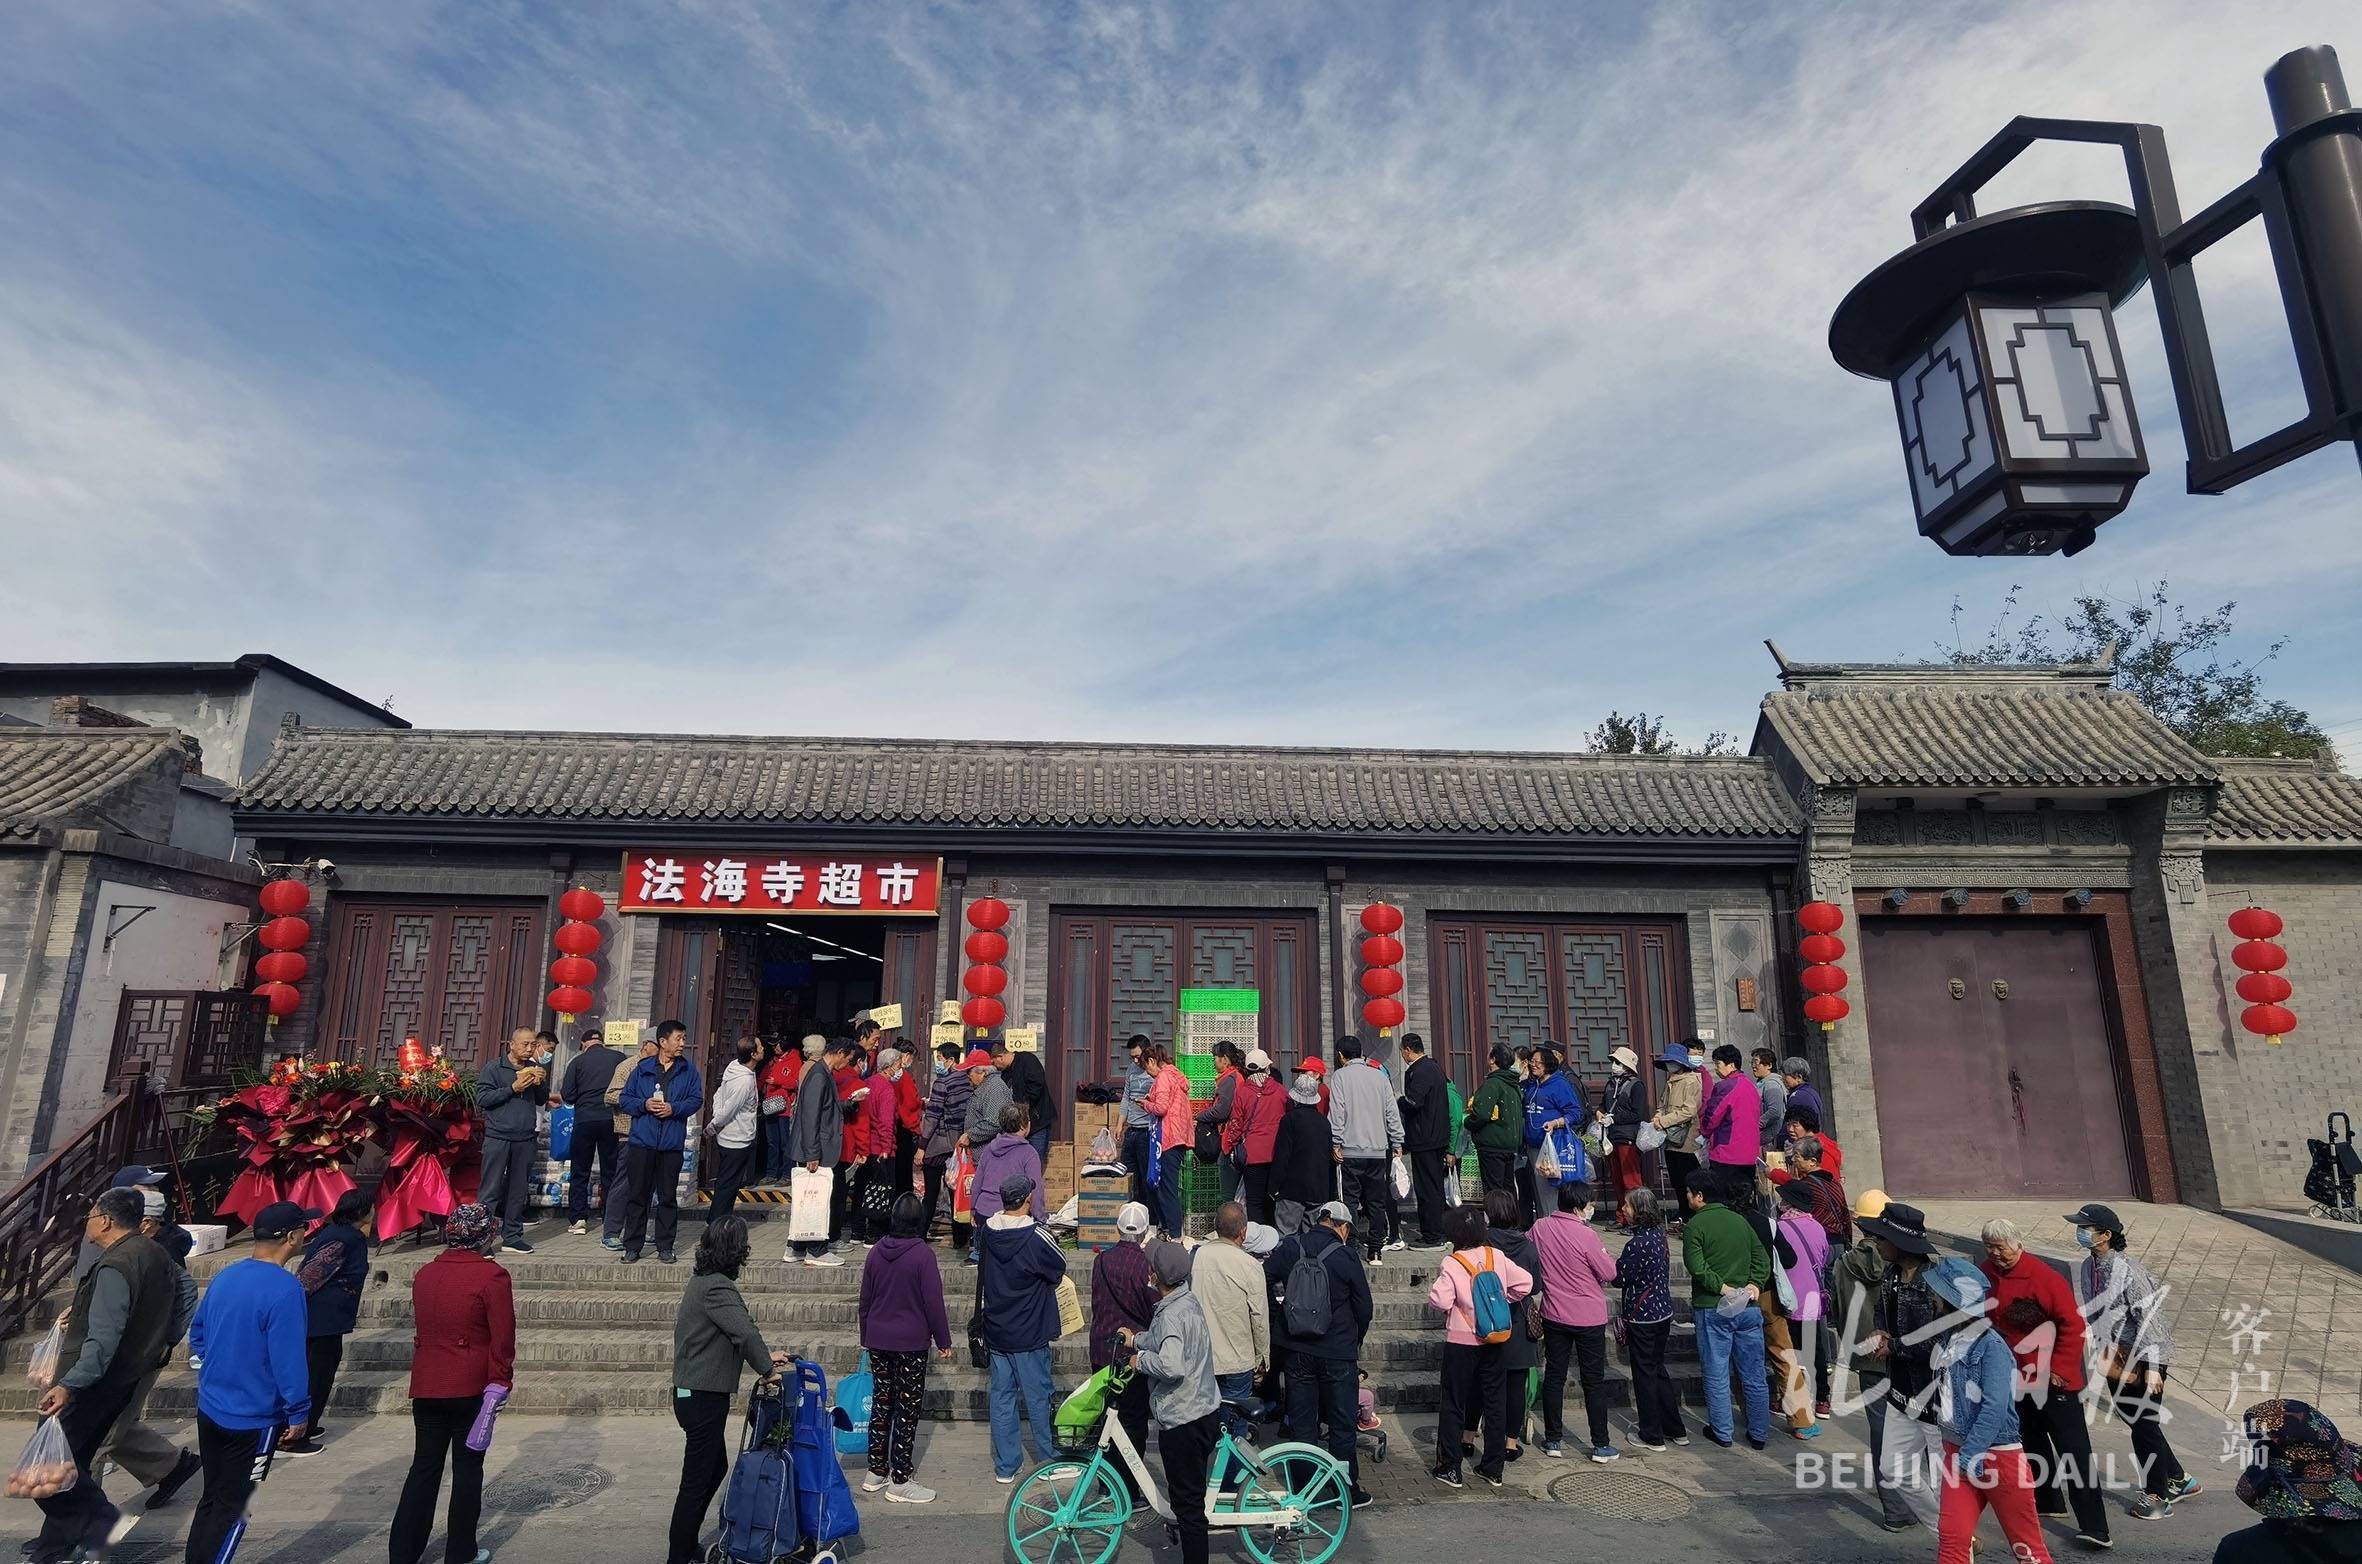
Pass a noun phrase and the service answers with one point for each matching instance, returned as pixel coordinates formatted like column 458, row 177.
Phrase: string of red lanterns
column 577, row 940
column 1381, row 959
column 985, row 980
column 1823, row 980
column 2261, row 985
column 283, row 935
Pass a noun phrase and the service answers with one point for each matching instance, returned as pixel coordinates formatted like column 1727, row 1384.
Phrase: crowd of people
column 1977, row 1383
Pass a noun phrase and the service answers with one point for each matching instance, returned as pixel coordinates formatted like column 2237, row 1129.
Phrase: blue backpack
column 759, row 1505
column 1488, row 1301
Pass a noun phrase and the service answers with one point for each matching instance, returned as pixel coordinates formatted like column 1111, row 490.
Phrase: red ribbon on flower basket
column 434, row 1160
column 298, row 1131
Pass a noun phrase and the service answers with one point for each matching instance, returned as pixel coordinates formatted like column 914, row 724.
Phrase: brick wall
column 2284, row 1093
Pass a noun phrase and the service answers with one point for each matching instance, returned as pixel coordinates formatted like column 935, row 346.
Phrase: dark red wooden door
column 1992, row 1048
column 457, row 975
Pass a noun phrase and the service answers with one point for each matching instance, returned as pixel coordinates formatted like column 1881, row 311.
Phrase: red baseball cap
column 977, row 1059
column 1313, row 1063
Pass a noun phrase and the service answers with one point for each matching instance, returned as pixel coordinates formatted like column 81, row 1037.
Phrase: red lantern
column 2255, row 923
column 1385, row 1013
column 1820, row 917
column 281, row 999
column 1822, row 980
column 569, row 1001
column 582, row 905
column 1828, row 1009
column 984, row 980
column 1379, row 982
column 2258, row 955
column 983, row 1012
column 281, row 966
column 284, row 934
column 1820, row 947
column 988, row 912
column 987, row 946
column 285, row 898
column 574, row 972
column 2269, row 1022
column 1381, row 950
column 577, row 939
column 2257, row 988
column 1381, row 918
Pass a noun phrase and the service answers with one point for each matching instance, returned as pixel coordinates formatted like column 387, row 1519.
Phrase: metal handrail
column 41, row 1219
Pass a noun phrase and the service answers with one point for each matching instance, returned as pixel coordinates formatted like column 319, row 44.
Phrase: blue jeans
column 1168, row 1187
column 1722, row 1341
column 1014, row 1375
column 1238, row 1387
column 777, row 1164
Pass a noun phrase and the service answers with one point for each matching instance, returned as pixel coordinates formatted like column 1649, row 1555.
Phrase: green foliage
column 1642, row 734
column 2170, row 659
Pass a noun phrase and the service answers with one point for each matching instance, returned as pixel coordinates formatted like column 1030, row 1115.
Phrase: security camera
column 326, row 867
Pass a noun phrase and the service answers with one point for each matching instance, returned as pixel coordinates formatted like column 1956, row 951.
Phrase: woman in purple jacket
column 901, row 1312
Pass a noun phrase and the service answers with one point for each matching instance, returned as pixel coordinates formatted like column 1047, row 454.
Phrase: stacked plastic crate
column 1209, row 1016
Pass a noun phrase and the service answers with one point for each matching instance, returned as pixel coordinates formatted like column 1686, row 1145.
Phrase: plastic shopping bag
column 46, row 1469
column 808, row 1190
column 1156, row 1135
column 1070, row 1308
column 1735, row 1302
column 1649, row 1138
column 1402, row 1177
column 42, row 1368
column 856, row 1399
column 1546, row 1160
column 963, row 1186
column 561, row 1133
column 1451, row 1186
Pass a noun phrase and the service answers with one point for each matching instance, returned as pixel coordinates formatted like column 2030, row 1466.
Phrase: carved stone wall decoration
column 2013, row 828
column 1878, row 828
column 2085, row 828
column 1944, row 828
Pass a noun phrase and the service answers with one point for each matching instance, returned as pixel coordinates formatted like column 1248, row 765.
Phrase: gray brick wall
column 2283, row 1093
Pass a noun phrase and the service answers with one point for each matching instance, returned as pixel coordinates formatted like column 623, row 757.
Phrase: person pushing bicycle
column 1176, row 1353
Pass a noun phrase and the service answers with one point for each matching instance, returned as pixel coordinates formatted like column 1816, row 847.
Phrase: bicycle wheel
column 1068, row 1512
column 1316, row 1485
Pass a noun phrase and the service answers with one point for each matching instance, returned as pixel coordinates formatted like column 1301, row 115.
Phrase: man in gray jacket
column 511, row 1092
column 984, row 1108
column 1176, row 1356
column 1366, row 1122
column 815, row 1137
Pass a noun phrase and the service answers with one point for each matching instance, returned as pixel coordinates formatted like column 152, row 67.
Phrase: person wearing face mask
column 2133, row 1348
column 511, row 1091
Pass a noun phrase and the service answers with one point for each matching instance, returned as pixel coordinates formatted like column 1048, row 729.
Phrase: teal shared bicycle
column 1292, row 1502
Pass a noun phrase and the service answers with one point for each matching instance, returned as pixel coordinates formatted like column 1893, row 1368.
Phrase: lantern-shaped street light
column 1996, row 336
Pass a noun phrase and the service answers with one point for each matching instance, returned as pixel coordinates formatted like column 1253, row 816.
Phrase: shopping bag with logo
column 963, row 1186
column 856, row 1396
column 561, row 1133
column 808, row 1190
column 1070, row 1308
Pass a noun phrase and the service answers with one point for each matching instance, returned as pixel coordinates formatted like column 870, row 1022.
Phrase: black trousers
column 1256, row 1191
column 594, row 1142
column 236, row 1461
column 937, row 1171
column 1587, row 1345
column 655, row 1186
column 703, row 1416
column 842, row 1200
column 1131, row 1413
column 734, row 1169
column 1189, row 1453
column 1497, row 1170
column 2156, row 1456
column 439, row 1427
column 507, row 1179
column 82, row 1513
column 1427, row 1169
column 322, row 1357
column 1656, row 1404
column 1475, row 1389
column 2057, row 1436
column 1135, row 1152
column 1368, row 1192
column 1680, row 1168
column 1325, row 1392
column 1529, row 1192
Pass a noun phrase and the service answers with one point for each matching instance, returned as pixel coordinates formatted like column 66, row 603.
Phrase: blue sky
column 1276, row 373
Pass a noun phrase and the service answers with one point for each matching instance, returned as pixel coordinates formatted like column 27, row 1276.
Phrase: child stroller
column 2329, row 1182
column 787, row 1497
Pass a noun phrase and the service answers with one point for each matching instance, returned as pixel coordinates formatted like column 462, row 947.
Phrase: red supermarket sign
column 775, row 884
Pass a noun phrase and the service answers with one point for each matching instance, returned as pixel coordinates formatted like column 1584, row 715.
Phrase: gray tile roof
column 627, row 778
column 76, row 776
column 1936, row 727
column 2285, row 803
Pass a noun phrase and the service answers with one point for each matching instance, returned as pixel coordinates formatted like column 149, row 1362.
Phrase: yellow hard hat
column 1872, row 1202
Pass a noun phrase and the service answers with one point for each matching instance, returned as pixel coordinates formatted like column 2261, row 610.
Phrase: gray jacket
column 984, row 1110
column 509, row 1114
column 1363, row 1113
column 1774, row 1093
column 713, row 1334
column 816, row 1129
column 1177, row 1355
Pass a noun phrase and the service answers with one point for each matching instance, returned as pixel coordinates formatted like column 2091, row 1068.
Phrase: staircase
column 595, row 1336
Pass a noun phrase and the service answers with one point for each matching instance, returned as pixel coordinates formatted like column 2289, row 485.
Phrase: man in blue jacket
column 661, row 1096
column 253, row 1381
column 511, row 1091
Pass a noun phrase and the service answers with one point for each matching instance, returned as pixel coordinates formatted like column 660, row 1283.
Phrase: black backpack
column 1304, row 1301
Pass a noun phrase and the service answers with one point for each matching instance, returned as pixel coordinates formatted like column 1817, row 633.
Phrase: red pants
column 1625, row 1161
column 2008, row 1489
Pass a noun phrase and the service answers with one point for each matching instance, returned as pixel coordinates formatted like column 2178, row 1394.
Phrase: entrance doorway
column 1995, row 1056
column 780, row 978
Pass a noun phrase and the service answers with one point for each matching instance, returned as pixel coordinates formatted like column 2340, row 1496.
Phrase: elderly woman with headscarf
column 1621, row 1108
column 2305, row 1482
column 1303, row 1157
column 463, row 1310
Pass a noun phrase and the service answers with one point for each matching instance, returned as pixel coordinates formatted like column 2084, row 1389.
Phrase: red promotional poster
column 777, row 884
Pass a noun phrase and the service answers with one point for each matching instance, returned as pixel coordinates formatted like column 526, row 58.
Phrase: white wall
column 175, row 946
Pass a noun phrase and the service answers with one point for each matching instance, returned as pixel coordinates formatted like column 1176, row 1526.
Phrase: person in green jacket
column 1496, row 1118
column 1728, row 1270
column 713, row 1336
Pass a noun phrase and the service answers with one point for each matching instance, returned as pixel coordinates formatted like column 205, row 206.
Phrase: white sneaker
column 1005, row 1481
column 578, row 1229
column 824, row 1259
column 872, row 1483
column 909, row 1493
column 1391, row 1248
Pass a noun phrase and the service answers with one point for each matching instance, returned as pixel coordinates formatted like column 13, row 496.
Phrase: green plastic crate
column 1201, row 1071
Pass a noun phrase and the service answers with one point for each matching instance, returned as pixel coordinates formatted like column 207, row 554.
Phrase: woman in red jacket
column 779, row 1082
column 1254, row 1128
column 466, row 1318
column 2034, row 1312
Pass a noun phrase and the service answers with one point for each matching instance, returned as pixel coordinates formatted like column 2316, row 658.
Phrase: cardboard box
column 1058, row 1175
column 1098, row 1201
column 210, row 1237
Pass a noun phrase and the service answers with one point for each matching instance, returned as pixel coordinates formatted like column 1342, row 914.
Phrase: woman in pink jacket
column 1475, row 1373
column 1168, row 1103
column 1733, row 1116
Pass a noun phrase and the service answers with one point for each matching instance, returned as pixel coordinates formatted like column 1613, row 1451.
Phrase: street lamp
column 1998, row 338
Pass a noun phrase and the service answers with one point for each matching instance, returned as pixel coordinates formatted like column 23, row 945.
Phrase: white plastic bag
column 1649, row 1138
column 1546, row 1161
column 1402, row 1177
column 42, row 1367
column 808, row 1190
column 1451, row 1186
column 1735, row 1302
column 46, row 1469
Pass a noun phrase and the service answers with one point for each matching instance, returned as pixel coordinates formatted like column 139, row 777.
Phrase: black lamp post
column 1997, row 332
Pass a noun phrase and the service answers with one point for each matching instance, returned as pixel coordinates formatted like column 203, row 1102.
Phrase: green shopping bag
column 1074, row 1427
